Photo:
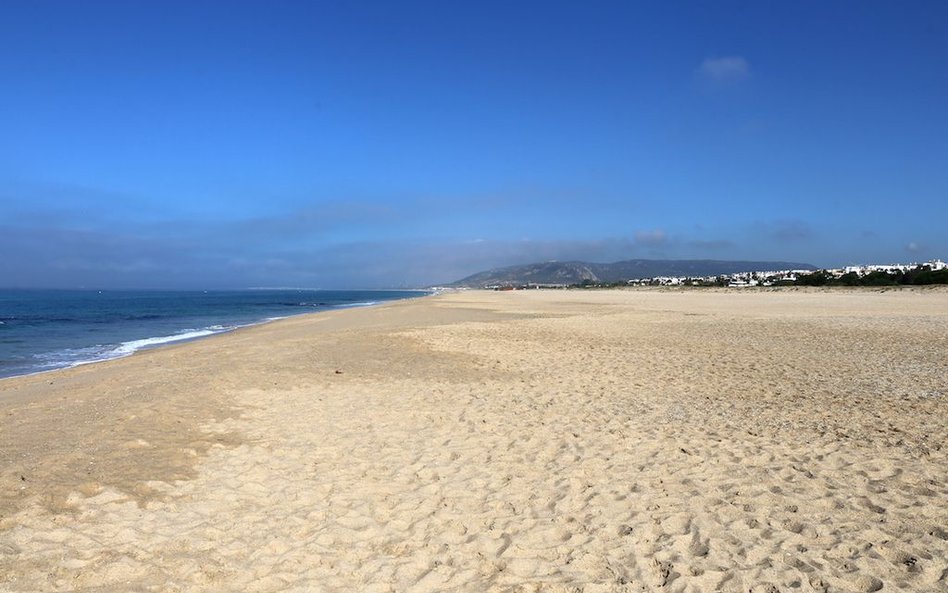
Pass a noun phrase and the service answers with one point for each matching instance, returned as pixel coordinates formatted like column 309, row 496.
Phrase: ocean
column 42, row 330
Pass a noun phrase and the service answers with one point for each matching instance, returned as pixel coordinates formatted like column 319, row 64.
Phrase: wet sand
column 635, row 440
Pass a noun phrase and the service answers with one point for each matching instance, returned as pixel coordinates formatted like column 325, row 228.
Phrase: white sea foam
column 362, row 304
column 89, row 355
column 126, row 348
column 68, row 357
column 73, row 357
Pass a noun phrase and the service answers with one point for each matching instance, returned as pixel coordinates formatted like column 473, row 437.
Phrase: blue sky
column 371, row 144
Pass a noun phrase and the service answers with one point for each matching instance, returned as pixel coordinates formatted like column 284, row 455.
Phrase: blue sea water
column 41, row 330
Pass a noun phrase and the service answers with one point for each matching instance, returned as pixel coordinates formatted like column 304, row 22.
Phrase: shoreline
column 49, row 398
column 478, row 441
column 187, row 336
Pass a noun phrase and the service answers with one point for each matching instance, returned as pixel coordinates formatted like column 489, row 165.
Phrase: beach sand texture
column 530, row 441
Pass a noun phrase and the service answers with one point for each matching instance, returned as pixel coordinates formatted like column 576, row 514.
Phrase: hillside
column 575, row 272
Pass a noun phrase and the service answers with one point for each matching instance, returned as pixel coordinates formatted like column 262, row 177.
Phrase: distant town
column 931, row 272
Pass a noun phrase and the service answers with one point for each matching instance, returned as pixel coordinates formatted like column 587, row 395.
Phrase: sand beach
column 567, row 441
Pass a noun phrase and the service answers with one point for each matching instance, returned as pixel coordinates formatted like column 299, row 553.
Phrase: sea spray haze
column 48, row 329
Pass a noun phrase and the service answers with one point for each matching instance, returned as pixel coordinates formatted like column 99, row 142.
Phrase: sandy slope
column 555, row 441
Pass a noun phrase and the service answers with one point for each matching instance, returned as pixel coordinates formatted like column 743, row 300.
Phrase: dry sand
column 530, row 441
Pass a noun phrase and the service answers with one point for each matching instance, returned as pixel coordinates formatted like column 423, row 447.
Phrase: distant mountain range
column 575, row 272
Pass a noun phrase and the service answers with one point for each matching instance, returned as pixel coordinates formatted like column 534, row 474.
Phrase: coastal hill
column 575, row 272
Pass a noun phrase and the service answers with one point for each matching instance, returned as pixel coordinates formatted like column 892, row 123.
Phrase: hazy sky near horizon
column 371, row 144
